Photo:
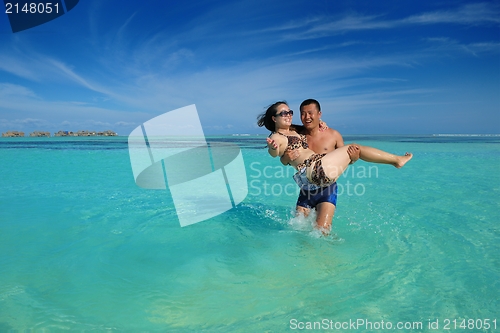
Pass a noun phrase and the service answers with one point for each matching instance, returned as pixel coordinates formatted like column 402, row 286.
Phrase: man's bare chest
column 321, row 144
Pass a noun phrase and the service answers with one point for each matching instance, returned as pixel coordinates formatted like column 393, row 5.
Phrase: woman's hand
column 273, row 147
column 272, row 144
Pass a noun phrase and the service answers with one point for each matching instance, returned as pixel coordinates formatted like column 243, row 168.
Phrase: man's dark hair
column 310, row 101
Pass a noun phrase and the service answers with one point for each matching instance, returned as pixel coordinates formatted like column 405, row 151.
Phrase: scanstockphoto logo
column 25, row 14
column 171, row 150
column 275, row 180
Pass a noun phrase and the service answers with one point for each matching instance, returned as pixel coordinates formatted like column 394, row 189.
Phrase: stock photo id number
column 24, row 15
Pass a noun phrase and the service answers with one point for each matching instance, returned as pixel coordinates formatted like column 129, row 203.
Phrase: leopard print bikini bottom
column 318, row 175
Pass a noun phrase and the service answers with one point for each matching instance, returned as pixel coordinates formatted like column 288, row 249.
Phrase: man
column 324, row 200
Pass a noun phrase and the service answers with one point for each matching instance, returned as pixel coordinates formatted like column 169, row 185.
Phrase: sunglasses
column 284, row 113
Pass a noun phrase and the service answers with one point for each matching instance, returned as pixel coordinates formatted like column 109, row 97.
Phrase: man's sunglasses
column 284, row 113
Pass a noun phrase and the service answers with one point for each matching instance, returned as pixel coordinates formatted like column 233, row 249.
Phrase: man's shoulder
column 334, row 138
column 333, row 132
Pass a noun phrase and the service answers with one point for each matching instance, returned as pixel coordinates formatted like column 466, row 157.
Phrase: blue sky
column 389, row 67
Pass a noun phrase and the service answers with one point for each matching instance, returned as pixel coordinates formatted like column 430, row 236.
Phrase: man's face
column 309, row 115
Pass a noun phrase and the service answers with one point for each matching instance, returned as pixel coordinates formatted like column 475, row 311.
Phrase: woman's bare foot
column 403, row 159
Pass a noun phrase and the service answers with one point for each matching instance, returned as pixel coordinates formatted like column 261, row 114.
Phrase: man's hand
column 289, row 155
column 322, row 126
column 353, row 152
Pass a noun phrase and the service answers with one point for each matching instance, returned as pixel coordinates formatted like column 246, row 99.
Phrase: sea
column 416, row 249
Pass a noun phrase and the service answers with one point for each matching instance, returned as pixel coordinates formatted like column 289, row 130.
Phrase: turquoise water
column 83, row 248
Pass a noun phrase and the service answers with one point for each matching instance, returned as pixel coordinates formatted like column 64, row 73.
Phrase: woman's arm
column 276, row 145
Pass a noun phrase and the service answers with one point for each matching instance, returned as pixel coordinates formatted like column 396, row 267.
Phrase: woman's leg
column 336, row 162
column 333, row 164
column 374, row 155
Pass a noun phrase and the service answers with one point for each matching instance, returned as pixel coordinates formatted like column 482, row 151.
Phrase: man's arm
column 353, row 150
column 339, row 140
column 289, row 156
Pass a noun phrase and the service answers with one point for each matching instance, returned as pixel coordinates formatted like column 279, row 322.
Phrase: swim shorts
column 301, row 179
column 311, row 198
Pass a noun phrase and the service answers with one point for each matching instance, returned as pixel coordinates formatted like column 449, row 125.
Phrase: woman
column 320, row 169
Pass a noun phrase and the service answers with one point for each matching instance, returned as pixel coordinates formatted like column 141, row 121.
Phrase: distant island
column 16, row 134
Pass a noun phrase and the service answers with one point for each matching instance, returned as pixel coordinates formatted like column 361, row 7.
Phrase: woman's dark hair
column 266, row 118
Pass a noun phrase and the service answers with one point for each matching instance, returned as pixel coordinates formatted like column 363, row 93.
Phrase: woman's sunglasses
column 284, row 113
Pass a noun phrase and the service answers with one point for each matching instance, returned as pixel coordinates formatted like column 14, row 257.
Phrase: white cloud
column 447, row 44
column 8, row 90
column 21, row 124
column 470, row 14
column 13, row 66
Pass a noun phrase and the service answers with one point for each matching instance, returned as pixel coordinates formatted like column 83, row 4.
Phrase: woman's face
column 283, row 116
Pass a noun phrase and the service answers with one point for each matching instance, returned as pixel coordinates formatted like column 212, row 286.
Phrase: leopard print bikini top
column 295, row 142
